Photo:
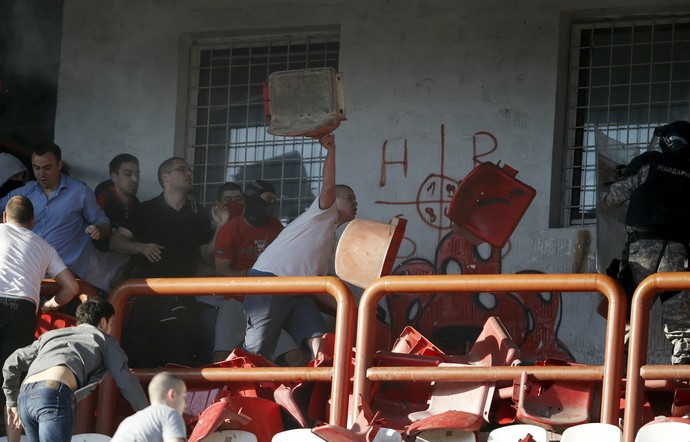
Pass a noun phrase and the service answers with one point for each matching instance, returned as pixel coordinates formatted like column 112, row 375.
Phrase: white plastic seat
column 233, row 435
column 664, row 431
column 444, row 435
column 90, row 437
column 296, row 435
column 514, row 433
column 594, row 432
column 387, row 435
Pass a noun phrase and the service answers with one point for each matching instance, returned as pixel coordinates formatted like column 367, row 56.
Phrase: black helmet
column 674, row 136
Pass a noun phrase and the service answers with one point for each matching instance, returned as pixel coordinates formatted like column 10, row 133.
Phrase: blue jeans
column 47, row 411
column 267, row 315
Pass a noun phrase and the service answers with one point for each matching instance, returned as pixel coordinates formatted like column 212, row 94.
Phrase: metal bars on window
column 226, row 133
column 625, row 79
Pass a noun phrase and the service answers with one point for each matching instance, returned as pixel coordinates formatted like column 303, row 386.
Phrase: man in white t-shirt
column 303, row 248
column 162, row 420
column 25, row 259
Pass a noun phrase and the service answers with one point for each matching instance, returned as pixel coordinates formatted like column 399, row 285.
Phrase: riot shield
column 611, row 159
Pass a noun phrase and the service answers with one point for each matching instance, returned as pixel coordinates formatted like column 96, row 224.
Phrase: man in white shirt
column 303, row 248
column 25, row 259
column 162, row 420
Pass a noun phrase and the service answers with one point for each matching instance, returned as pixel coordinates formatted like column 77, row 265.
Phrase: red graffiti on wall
column 436, row 191
column 385, row 161
column 453, row 320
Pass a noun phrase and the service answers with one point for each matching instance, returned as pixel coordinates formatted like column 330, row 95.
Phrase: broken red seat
column 466, row 425
column 554, row 405
column 469, row 397
column 395, row 400
column 258, row 416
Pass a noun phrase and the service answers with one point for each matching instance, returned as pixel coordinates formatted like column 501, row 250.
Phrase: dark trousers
column 161, row 330
column 17, row 327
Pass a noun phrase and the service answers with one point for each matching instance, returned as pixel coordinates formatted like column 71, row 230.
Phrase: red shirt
column 242, row 243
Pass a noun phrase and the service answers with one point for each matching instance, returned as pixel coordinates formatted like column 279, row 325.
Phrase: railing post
column 645, row 294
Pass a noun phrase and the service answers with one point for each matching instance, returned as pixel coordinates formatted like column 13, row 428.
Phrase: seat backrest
column 591, row 432
column 514, row 433
column 664, row 431
column 387, row 435
column 233, row 435
column 90, row 437
column 296, row 435
column 471, row 397
column 444, row 435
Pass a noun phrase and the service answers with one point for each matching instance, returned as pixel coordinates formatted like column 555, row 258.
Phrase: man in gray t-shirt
column 162, row 420
column 63, row 366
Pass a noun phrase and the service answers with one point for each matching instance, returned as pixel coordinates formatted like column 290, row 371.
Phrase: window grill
column 226, row 127
column 625, row 78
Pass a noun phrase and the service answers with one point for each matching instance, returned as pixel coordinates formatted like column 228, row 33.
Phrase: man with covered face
column 238, row 245
column 242, row 239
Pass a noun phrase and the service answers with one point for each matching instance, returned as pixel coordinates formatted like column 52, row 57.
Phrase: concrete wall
column 449, row 79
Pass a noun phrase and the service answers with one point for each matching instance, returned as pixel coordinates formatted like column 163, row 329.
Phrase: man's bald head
column 19, row 210
column 166, row 388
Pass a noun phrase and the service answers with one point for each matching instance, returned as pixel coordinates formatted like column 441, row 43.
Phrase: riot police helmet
column 674, row 137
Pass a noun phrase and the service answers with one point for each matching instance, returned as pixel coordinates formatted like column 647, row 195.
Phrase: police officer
column 657, row 186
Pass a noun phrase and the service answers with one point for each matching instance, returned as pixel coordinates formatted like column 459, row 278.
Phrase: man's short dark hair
column 166, row 167
column 20, row 210
column 92, row 310
column 119, row 160
column 227, row 186
column 44, row 148
column 339, row 188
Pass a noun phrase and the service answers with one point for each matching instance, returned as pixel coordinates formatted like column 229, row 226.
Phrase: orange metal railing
column 642, row 301
column 344, row 327
column 609, row 373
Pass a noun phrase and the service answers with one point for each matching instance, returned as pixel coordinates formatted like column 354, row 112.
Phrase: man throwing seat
column 303, row 248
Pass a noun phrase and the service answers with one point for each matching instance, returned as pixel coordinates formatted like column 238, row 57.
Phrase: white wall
column 410, row 68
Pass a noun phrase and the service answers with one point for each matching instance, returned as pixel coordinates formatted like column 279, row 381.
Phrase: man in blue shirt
column 66, row 212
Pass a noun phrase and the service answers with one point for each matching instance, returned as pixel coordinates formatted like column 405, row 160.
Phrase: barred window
column 226, row 138
column 625, row 78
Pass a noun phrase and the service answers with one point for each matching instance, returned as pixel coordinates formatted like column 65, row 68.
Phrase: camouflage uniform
column 647, row 256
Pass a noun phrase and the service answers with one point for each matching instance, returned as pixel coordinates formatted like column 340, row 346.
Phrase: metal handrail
column 645, row 294
column 327, row 285
column 613, row 353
